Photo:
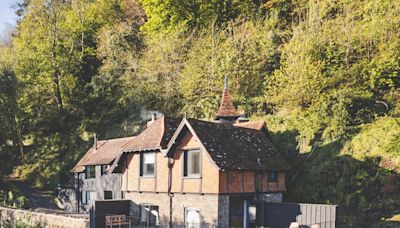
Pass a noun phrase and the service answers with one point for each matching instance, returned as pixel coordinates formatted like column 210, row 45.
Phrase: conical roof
column 226, row 108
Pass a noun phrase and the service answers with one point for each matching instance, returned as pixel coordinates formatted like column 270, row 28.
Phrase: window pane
column 149, row 215
column 149, row 169
column 252, row 212
column 194, row 162
column 103, row 169
column 108, row 195
column 272, row 176
column 90, row 171
column 148, row 158
column 147, row 164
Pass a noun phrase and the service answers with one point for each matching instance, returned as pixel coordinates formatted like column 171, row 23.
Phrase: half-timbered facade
column 191, row 172
column 188, row 172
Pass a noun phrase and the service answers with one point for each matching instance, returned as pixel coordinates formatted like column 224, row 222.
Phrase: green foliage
column 323, row 74
column 188, row 15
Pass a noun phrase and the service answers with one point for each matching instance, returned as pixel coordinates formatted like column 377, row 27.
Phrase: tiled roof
column 255, row 125
column 239, row 148
column 226, row 109
column 156, row 136
column 106, row 152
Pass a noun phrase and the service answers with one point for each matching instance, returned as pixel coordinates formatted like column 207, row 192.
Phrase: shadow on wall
column 364, row 190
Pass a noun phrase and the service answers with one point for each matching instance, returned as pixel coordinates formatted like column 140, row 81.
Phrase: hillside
column 324, row 75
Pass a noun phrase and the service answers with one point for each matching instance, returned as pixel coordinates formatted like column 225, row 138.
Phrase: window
column 191, row 163
column 108, row 195
column 103, row 169
column 90, row 171
column 272, row 176
column 147, row 164
column 87, row 196
column 149, row 215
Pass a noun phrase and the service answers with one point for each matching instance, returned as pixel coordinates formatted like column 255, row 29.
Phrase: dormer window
column 147, row 164
column 191, row 163
column 90, row 171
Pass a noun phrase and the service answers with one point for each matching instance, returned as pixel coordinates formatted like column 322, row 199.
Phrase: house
column 92, row 180
column 191, row 172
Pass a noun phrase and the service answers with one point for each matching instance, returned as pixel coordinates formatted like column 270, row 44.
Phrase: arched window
column 192, row 218
column 149, row 216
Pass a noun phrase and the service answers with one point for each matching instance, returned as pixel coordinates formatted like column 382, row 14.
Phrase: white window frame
column 186, row 168
column 142, row 164
column 87, row 196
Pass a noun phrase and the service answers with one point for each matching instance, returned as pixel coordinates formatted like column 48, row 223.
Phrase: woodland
column 324, row 75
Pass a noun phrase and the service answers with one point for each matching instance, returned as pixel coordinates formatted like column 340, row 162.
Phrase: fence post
column 92, row 217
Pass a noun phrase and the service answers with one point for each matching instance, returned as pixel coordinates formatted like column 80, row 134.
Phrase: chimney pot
column 95, row 141
column 153, row 119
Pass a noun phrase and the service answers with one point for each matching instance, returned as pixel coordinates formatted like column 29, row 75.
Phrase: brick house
column 191, row 172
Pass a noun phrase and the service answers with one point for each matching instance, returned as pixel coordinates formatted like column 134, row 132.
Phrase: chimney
column 153, row 119
column 95, row 141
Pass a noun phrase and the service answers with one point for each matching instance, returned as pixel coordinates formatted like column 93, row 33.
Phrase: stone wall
column 272, row 197
column 213, row 208
column 34, row 219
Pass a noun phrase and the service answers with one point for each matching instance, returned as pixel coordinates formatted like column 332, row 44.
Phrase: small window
column 147, row 164
column 252, row 214
column 90, row 171
column 149, row 216
column 87, row 196
column 191, row 163
column 103, row 169
column 108, row 195
column 272, row 176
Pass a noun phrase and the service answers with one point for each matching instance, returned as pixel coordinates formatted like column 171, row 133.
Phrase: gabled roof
column 106, row 152
column 232, row 147
column 226, row 108
column 154, row 137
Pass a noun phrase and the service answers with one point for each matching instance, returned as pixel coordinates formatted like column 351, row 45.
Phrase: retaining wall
column 10, row 216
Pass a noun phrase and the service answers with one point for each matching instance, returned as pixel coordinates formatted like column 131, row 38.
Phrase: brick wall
column 34, row 219
column 207, row 183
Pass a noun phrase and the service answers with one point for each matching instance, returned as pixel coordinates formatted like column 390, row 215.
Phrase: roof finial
column 226, row 83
